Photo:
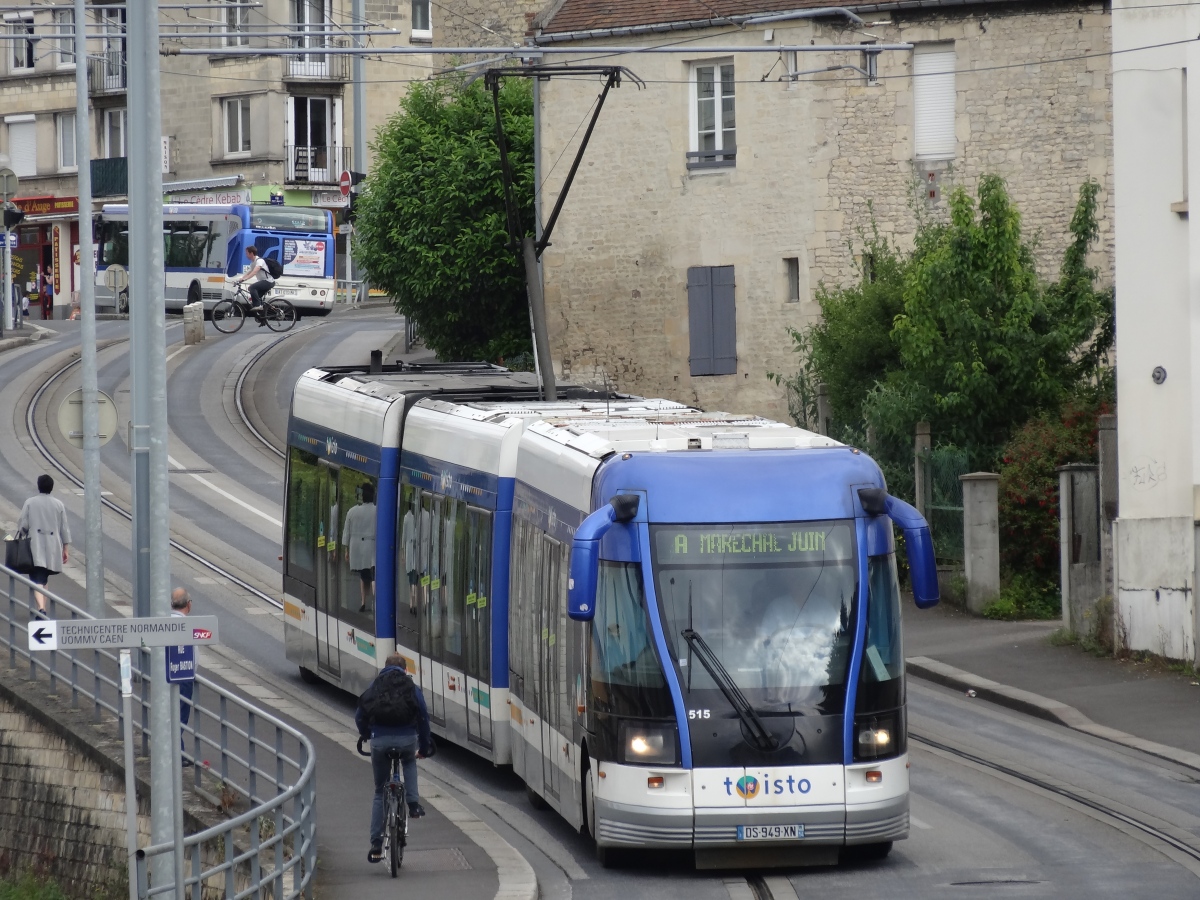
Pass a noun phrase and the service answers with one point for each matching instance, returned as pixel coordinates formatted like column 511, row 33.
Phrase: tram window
column 478, row 586
column 622, row 652
column 881, row 681
column 302, row 516
column 454, row 544
column 356, row 553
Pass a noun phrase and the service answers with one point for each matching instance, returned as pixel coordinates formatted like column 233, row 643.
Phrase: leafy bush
column 1026, row 597
column 29, row 887
column 1029, row 502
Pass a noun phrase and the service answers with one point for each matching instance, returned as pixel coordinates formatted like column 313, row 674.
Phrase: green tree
column 984, row 344
column 431, row 224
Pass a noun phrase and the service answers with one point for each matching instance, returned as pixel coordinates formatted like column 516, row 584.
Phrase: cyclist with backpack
column 263, row 272
column 391, row 712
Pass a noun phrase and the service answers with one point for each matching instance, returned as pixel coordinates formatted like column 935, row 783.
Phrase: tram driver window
column 622, row 653
column 356, row 554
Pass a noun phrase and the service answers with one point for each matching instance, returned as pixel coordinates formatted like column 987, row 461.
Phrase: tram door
column 329, row 653
column 477, row 626
column 553, row 670
column 431, row 596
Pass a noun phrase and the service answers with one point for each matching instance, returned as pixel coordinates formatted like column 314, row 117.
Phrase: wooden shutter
column 700, row 319
column 22, row 148
column 933, row 102
column 724, row 321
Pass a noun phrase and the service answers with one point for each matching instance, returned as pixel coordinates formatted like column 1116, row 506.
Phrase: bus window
column 881, row 683
column 356, row 553
column 627, row 678
column 193, row 245
column 114, row 244
column 302, row 516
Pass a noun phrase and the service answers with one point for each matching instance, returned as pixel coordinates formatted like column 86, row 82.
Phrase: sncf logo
column 747, row 787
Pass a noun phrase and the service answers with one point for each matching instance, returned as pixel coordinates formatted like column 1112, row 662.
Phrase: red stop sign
column 344, row 183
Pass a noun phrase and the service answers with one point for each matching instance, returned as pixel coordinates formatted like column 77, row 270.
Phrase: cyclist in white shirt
column 261, row 277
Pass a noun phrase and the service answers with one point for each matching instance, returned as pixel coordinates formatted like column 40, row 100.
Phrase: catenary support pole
column 359, row 154
column 92, row 508
column 147, row 331
column 8, row 310
column 537, row 306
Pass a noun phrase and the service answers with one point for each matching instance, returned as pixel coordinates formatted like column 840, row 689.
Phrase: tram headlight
column 876, row 737
column 649, row 743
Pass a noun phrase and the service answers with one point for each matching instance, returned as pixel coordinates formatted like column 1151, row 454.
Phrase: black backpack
column 273, row 266
column 391, row 700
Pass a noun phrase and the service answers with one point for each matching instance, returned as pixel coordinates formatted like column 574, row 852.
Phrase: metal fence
column 944, row 499
column 261, row 775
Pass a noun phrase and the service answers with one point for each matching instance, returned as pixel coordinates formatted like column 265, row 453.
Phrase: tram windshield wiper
column 762, row 738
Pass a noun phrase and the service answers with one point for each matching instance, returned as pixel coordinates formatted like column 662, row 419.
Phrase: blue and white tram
column 681, row 629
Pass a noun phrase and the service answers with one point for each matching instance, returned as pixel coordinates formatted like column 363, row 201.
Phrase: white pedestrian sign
column 116, row 634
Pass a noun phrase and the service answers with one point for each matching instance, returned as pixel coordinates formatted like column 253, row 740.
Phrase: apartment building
column 235, row 127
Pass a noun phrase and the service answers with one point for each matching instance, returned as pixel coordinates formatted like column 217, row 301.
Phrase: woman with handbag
column 44, row 521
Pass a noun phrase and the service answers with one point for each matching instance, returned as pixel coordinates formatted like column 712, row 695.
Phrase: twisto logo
column 747, row 787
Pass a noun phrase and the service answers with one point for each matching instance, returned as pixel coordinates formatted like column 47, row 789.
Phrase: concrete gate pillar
column 981, row 538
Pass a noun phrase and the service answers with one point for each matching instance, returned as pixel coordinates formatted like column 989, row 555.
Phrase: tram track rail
column 1065, row 793
column 40, row 443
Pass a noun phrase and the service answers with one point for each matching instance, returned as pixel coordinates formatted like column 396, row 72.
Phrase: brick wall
column 811, row 157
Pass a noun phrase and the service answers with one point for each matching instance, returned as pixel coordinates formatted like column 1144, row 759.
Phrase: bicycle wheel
column 228, row 316
column 394, row 853
column 281, row 315
column 399, row 836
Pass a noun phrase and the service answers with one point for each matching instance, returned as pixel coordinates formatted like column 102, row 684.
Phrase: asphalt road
column 978, row 831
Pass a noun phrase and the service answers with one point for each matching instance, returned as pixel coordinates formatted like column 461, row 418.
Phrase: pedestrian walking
column 181, row 605
column 47, row 295
column 44, row 520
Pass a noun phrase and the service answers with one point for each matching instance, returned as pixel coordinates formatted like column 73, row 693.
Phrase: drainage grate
column 449, row 859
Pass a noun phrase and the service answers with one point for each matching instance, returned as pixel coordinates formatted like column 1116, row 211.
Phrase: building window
column 933, row 102
column 712, row 320
column 237, row 126
column 66, row 142
column 22, row 144
column 114, row 133
column 422, row 26
column 792, row 265
column 22, row 50
column 64, row 27
column 713, row 126
column 237, row 19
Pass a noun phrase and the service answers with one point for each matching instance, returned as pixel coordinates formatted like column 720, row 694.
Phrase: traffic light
column 350, row 213
column 12, row 217
column 357, row 177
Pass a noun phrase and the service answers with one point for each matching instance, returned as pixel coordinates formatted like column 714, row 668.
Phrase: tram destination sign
column 118, row 634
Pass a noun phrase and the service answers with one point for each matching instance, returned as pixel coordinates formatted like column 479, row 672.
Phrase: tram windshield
column 774, row 603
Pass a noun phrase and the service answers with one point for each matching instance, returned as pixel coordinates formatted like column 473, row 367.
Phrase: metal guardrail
column 263, row 765
column 347, row 290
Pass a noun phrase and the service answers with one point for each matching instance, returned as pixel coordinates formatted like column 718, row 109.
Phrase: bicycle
column 395, row 808
column 229, row 314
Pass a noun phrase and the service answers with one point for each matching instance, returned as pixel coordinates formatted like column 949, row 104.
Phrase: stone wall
column 62, row 810
column 816, row 161
column 483, row 23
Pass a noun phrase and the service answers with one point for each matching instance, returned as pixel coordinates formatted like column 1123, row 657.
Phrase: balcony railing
column 315, row 165
column 317, row 66
column 110, row 177
column 711, row 159
column 106, row 73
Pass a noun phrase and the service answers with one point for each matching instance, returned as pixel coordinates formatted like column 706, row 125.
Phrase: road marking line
column 176, row 353
column 228, row 496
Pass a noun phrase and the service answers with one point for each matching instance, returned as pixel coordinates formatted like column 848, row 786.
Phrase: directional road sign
column 14, row 240
column 115, row 634
column 8, row 184
column 181, row 664
column 70, row 417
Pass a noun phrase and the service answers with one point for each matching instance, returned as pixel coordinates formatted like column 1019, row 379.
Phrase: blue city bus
column 680, row 628
column 204, row 246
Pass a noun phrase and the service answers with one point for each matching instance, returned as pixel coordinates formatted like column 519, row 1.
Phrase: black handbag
column 18, row 553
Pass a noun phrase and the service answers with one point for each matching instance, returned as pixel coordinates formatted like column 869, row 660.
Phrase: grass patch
column 29, row 887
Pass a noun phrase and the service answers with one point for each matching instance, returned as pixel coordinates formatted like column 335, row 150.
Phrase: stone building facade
column 1025, row 92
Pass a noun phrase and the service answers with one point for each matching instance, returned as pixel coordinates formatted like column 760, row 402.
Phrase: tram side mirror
column 922, row 566
column 585, row 554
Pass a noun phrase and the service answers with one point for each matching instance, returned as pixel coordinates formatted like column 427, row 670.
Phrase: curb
column 1041, row 707
column 14, row 342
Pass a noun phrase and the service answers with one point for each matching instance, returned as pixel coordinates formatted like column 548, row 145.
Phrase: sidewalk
column 1015, row 665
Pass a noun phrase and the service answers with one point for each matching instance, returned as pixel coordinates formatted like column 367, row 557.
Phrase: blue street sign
column 181, row 664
